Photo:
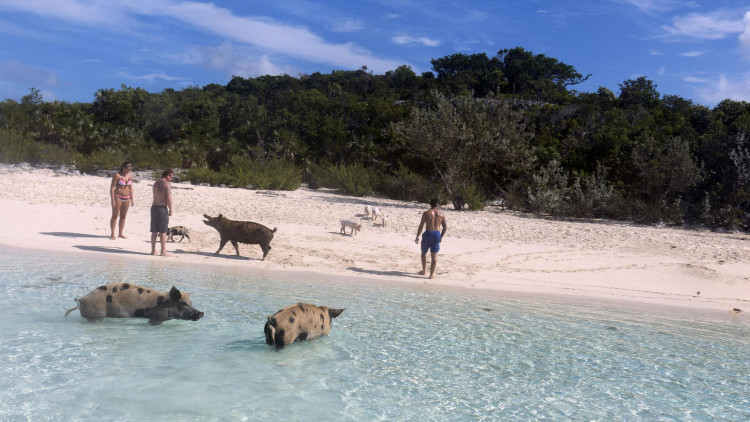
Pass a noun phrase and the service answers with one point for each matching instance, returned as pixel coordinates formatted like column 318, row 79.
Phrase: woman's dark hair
column 166, row 172
column 126, row 164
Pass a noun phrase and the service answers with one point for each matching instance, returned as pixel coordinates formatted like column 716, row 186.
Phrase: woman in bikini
column 121, row 197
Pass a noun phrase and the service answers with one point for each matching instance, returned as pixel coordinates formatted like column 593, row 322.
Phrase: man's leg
column 433, row 264
column 424, row 263
column 163, row 239
column 153, row 243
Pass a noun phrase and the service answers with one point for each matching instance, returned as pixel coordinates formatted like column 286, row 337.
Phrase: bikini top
column 122, row 182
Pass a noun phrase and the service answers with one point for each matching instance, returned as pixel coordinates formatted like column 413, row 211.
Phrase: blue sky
column 69, row 49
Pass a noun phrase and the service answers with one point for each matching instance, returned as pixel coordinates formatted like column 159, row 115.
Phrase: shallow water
column 396, row 353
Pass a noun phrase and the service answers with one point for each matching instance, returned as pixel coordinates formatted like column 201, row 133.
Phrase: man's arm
column 419, row 230
column 169, row 197
column 445, row 227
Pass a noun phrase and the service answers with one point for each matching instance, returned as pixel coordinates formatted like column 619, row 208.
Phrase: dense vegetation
column 477, row 128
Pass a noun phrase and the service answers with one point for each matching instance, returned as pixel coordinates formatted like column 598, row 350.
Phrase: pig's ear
column 175, row 294
column 333, row 313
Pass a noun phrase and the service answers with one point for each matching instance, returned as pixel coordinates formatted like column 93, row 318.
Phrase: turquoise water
column 396, row 353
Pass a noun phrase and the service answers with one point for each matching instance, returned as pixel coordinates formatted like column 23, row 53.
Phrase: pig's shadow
column 213, row 255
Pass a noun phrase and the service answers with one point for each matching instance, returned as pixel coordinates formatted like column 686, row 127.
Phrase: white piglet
column 353, row 225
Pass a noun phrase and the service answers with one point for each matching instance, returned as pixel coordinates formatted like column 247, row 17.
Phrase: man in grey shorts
column 161, row 209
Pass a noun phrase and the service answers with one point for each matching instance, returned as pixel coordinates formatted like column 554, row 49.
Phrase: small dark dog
column 178, row 231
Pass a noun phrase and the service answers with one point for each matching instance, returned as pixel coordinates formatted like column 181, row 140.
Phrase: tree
column 666, row 170
column 639, row 92
column 457, row 136
column 461, row 73
column 536, row 76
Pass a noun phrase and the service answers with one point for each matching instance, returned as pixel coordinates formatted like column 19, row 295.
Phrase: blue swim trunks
column 431, row 241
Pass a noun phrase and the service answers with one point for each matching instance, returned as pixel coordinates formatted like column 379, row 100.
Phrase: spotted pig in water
column 298, row 323
column 124, row 300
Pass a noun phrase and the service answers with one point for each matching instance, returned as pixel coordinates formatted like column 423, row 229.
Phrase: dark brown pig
column 242, row 232
column 124, row 300
column 298, row 323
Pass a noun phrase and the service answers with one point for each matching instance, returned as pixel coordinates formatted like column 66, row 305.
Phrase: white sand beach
column 494, row 249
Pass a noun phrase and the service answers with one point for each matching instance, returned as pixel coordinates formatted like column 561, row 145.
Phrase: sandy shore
column 493, row 249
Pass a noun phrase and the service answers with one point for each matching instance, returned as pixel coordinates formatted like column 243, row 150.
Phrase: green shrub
column 246, row 172
column 354, row 179
column 473, row 198
column 278, row 175
column 273, row 174
column 150, row 158
column 199, row 175
column 17, row 147
column 408, row 186
column 592, row 196
column 548, row 190
column 98, row 160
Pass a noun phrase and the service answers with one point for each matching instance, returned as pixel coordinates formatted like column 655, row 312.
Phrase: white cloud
column 745, row 35
column 101, row 13
column 233, row 61
column 271, row 36
column 654, row 5
column 349, row 25
column 475, row 15
column 693, row 53
column 696, row 80
column 716, row 90
column 150, row 77
column 711, row 26
column 405, row 39
column 22, row 74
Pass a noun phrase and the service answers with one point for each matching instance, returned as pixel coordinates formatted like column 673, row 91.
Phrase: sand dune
column 493, row 249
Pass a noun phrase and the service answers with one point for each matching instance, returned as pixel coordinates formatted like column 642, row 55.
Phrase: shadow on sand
column 109, row 250
column 385, row 273
column 69, row 234
column 212, row 255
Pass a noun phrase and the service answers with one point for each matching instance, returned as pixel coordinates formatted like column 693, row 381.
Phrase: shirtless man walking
column 161, row 210
column 432, row 219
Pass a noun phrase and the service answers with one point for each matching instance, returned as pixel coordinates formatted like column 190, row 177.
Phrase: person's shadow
column 385, row 273
column 108, row 250
column 70, row 234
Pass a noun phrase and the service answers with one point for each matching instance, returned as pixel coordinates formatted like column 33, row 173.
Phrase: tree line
column 475, row 128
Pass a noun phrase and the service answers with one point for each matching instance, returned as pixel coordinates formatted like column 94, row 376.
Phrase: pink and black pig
column 125, row 300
